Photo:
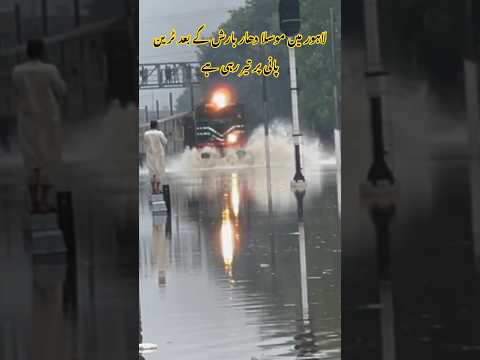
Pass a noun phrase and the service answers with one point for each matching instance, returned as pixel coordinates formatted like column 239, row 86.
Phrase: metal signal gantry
column 168, row 75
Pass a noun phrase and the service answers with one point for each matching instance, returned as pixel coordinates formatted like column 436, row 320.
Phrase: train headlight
column 220, row 99
column 232, row 138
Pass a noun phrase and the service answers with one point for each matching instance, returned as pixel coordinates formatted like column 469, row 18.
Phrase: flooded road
column 224, row 281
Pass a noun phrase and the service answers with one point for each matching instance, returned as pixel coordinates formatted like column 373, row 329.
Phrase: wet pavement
column 224, row 281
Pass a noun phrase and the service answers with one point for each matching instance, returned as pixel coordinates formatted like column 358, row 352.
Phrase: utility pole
column 153, row 100
column 157, row 108
column 267, row 139
column 194, row 115
column 336, row 131
column 266, row 128
column 170, row 99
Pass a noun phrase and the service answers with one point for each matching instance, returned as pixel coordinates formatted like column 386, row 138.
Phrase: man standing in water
column 155, row 141
column 39, row 91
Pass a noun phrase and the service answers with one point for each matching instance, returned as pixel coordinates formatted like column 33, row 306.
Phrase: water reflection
column 303, row 259
column 49, row 277
column 227, row 237
column 230, row 229
column 224, row 297
column 305, row 341
column 160, row 252
column 235, row 195
column 381, row 214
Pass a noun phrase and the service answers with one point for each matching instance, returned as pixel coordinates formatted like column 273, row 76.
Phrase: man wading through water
column 40, row 91
column 155, row 141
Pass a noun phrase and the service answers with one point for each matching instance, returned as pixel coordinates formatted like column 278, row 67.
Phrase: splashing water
column 103, row 143
column 314, row 156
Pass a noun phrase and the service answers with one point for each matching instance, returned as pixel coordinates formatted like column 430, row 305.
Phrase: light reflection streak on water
column 159, row 252
column 235, row 195
column 201, row 310
column 229, row 233
column 227, row 238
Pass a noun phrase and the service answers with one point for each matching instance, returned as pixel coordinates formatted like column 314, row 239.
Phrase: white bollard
column 46, row 236
column 158, row 204
column 159, row 219
column 147, row 348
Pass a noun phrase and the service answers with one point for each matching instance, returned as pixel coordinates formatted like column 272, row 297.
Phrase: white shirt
column 155, row 141
column 39, row 89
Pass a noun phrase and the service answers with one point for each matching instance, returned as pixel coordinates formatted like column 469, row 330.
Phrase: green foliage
column 315, row 70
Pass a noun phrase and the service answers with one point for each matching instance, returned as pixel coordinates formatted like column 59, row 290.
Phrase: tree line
column 314, row 66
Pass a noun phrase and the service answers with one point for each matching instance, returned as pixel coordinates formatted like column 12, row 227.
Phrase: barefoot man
column 155, row 141
column 39, row 91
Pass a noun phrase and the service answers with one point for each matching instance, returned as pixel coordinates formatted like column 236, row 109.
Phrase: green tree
column 314, row 63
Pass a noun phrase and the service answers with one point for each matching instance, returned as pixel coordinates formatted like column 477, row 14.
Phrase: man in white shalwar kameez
column 39, row 90
column 155, row 142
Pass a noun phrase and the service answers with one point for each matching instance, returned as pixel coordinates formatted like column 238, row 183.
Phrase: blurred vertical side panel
column 82, row 303
column 410, row 187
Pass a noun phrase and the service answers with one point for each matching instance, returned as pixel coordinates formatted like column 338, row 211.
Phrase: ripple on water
column 204, row 312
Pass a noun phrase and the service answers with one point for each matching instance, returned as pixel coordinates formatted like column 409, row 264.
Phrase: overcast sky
column 158, row 17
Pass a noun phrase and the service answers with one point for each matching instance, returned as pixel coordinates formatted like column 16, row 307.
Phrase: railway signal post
column 289, row 11
column 380, row 177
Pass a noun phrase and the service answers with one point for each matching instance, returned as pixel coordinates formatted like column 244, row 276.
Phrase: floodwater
column 224, row 279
